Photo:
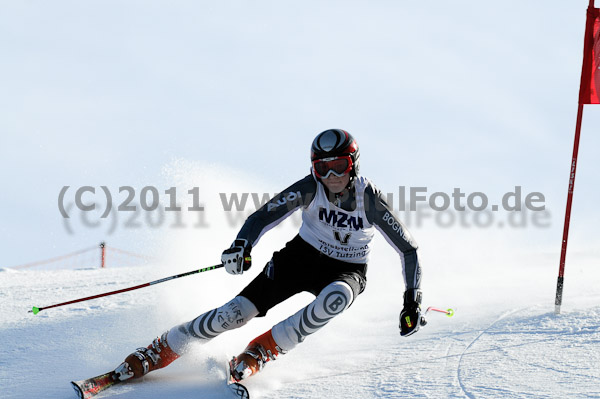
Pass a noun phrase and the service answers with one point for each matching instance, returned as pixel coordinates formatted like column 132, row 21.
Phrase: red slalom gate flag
column 589, row 91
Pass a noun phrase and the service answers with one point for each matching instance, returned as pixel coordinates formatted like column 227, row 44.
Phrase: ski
column 238, row 390
column 86, row 389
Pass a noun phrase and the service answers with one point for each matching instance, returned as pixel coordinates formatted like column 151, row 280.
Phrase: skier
column 328, row 258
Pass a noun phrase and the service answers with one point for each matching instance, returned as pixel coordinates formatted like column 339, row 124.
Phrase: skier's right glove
column 236, row 259
column 410, row 317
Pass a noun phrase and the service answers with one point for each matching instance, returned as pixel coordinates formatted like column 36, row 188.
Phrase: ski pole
column 36, row 310
column 449, row 313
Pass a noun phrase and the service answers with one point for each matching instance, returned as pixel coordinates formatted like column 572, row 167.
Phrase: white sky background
column 469, row 94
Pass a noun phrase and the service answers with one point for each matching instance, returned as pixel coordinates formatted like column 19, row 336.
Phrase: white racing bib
column 337, row 233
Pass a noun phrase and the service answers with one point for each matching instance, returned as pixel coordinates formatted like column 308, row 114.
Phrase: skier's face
column 336, row 184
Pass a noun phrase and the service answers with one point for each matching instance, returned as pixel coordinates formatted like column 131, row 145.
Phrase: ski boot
column 144, row 360
column 259, row 351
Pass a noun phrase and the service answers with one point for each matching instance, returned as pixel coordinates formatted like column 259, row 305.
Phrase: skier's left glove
column 410, row 317
column 236, row 259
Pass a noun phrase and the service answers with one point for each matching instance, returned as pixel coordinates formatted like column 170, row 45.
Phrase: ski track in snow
column 462, row 355
column 501, row 352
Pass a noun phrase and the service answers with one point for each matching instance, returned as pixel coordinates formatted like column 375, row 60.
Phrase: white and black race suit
column 340, row 229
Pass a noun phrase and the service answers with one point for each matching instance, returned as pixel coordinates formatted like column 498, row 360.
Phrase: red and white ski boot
column 259, row 352
column 144, row 360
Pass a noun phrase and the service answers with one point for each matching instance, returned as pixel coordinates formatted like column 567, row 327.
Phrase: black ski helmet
column 336, row 143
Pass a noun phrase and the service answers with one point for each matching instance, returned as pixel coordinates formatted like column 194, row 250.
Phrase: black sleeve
column 278, row 208
column 380, row 214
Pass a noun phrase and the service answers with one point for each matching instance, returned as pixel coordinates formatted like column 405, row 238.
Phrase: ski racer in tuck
column 328, row 258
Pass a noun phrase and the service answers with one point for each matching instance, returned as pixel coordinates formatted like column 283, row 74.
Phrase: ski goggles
column 338, row 166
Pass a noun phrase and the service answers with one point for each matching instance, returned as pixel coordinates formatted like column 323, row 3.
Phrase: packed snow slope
column 503, row 342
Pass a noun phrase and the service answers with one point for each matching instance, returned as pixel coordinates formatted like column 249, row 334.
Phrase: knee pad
column 335, row 298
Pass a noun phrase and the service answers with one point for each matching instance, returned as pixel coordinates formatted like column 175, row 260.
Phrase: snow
column 504, row 340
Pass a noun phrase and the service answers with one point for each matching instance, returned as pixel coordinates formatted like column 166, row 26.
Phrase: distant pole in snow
column 102, row 254
column 589, row 93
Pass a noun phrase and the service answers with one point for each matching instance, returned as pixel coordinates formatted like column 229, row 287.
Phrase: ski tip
column 77, row 389
column 35, row 310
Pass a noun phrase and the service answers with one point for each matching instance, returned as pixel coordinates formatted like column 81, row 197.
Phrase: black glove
column 236, row 259
column 410, row 317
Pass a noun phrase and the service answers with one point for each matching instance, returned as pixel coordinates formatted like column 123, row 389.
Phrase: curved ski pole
column 36, row 310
